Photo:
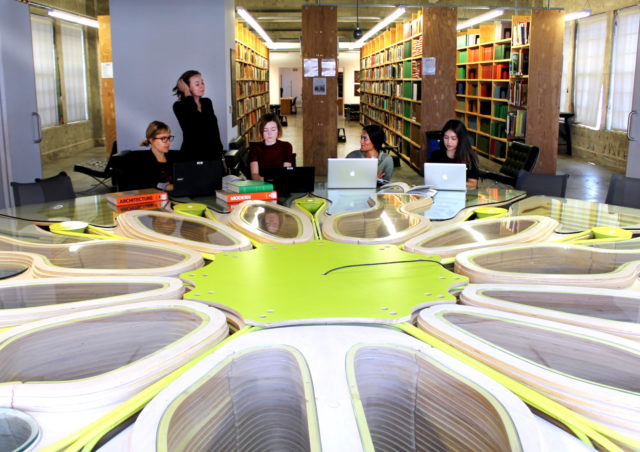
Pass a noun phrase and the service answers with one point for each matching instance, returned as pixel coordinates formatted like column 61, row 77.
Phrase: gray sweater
column 385, row 162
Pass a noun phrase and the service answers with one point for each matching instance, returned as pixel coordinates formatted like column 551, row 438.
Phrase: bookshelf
column 251, row 82
column 392, row 84
column 496, row 85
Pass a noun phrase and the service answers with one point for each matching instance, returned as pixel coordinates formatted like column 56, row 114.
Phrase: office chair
column 521, row 156
column 623, row 191
column 54, row 188
column 542, row 184
column 294, row 110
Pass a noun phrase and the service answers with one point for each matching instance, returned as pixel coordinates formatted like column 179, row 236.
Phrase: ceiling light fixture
column 379, row 26
column 256, row 26
column 577, row 15
column 481, row 18
column 73, row 18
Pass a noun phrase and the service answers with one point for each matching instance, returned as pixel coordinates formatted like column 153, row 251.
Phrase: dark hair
column 464, row 151
column 269, row 117
column 153, row 129
column 376, row 135
column 185, row 78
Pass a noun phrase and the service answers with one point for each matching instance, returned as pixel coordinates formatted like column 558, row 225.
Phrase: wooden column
column 439, row 42
column 106, row 84
column 545, row 73
column 319, row 119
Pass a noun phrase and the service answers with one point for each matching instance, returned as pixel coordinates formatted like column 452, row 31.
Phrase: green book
column 249, row 186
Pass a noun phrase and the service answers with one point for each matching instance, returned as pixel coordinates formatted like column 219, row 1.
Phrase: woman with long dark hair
column 371, row 142
column 455, row 147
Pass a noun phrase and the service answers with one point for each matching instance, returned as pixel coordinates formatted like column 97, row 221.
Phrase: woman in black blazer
column 200, row 133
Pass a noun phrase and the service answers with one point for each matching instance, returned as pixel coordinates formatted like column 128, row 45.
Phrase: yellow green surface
column 323, row 281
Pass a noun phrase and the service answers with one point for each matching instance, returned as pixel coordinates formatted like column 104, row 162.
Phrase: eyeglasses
column 164, row 139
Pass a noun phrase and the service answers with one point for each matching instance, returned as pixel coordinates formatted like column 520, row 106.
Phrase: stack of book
column 148, row 198
column 244, row 190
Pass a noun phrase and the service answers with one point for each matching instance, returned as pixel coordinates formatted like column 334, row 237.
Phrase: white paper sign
column 319, row 86
column 107, row 70
column 428, row 66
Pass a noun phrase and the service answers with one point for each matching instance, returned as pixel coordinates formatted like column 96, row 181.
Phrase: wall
column 347, row 61
column 153, row 42
column 82, row 135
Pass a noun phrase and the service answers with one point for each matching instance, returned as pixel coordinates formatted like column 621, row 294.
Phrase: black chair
column 521, row 156
column 100, row 170
column 294, row 110
column 56, row 188
column 623, row 191
column 542, row 184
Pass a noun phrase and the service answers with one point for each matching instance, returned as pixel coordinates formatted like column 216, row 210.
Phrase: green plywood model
column 321, row 282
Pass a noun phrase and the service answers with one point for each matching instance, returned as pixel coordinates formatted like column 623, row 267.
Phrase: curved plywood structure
column 592, row 373
column 610, row 311
column 449, row 241
column 101, row 257
column 196, row 233
column 266, row 222
column 556, row 264
column 28, row 300
column 334, row 388
column 83, row 363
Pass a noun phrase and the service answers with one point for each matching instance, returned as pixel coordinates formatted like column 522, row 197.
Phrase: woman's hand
column 472, row 184
column 182, row 86
column 169, row 187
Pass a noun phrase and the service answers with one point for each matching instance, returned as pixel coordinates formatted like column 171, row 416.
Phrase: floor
column 587, row 180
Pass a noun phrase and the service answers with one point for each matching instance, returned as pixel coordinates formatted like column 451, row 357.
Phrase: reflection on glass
column 185, row 229
column 11, row 269
column 272, row 220
column 28, row 232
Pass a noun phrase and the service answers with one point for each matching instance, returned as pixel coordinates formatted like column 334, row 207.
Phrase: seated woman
column 156, row 168
column 456, row 148
column 371, row 142
column 270, row 151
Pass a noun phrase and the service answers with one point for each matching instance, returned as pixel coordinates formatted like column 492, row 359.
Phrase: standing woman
column 200, row 133
column 456, row 148
column 270, row 152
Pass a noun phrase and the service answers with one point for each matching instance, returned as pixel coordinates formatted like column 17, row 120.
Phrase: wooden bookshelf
column 252, row 82
column 482, row 86
column 392, row 85
column 498, row 81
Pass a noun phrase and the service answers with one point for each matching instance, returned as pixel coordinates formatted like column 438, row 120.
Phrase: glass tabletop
column 575, row 215
column 95, row 210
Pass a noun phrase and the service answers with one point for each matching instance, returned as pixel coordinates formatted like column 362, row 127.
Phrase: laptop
column 352, row 173
column 446, row 176
column 290, row 179
column 197, row 178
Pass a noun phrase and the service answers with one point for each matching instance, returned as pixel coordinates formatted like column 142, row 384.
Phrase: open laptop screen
column 352, row 173
column 446, row 176
column 197, row 178
column 290, row 179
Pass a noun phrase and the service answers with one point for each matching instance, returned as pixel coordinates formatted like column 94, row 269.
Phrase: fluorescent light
column 379, row 26
column 577, row 15
column 481, row 18
column 258, row 29
column 73, row 18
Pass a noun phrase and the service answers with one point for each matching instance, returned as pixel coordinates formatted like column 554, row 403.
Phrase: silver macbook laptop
column 352, row 173
column 446, row 176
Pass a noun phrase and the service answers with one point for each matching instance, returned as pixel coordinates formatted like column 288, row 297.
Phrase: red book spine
column 139, row 199
column 238, row 197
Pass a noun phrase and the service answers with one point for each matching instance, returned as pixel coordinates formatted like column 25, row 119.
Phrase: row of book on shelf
column 251, row 88
column 250, row 103
column 408, row 49
column 250, row 56
column 519, row 63
column 245, row 71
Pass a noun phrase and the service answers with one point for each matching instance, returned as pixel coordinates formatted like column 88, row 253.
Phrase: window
column 75, row 81
column 589, row 64
column 44, row 59
column 623, row 64
column 60, row 70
